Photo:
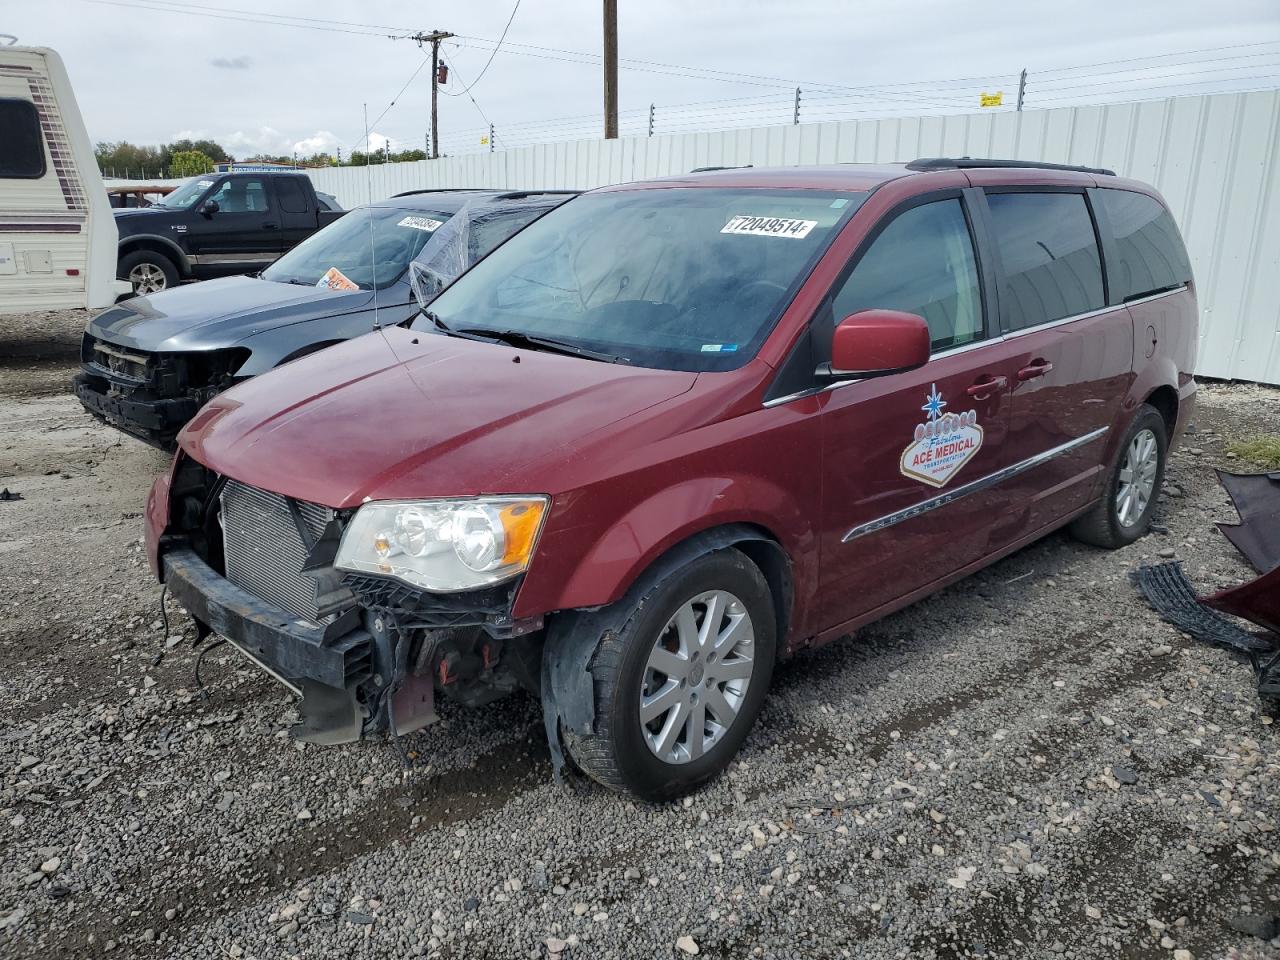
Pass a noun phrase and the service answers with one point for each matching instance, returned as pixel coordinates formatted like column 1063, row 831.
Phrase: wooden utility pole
column 434, row 38
column 611, row 69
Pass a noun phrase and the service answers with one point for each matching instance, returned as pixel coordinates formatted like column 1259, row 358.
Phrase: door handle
column 270, row 226
column 987, row 386
column 1036, row 368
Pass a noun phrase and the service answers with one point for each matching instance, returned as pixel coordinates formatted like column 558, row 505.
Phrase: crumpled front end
column 365, row 653
column 150, row 395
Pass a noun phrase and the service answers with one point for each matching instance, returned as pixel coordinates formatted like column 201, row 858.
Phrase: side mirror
column 875, row 343
column 209, row 208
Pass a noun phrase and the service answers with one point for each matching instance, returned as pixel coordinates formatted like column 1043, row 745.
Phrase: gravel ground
column 1030, row 764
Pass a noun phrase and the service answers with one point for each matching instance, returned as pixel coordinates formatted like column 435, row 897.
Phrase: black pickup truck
column 216, row 225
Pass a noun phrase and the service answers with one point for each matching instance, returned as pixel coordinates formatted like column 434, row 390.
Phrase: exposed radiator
column 263, row 550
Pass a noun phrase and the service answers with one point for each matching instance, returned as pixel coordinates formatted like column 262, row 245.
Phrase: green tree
column 188, row 163
column 124, row 159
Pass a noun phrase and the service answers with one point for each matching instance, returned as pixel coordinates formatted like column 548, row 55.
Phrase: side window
column 21, row 143
column 1049, row 251
column 1149, row 249
column 291, row 195
column 242, row 195
column 922, row 263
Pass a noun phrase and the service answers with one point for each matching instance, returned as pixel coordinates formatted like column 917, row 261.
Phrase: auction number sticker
column 769, row 227
column 421, row 223
column 942, row 443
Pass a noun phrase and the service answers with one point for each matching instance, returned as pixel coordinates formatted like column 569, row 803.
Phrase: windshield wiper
column 517, row 338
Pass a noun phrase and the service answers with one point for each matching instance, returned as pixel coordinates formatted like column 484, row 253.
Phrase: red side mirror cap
column 874, row 343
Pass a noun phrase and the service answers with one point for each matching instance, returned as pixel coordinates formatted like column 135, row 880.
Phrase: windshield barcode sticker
column 769, row 227
column 421, row 223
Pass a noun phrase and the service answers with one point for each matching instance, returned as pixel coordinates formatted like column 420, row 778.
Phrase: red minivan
column 676, row 430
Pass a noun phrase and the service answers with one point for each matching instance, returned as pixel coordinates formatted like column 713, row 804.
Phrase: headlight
column 444, row 545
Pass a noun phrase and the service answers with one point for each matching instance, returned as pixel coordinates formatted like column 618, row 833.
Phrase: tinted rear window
column 1150, row 254
column 21, row 145
column 291, row 195
column 1049, row 252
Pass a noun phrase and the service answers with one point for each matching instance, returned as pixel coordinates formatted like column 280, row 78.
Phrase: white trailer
column 57, row 234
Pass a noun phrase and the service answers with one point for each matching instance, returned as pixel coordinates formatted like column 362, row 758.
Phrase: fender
column 567, row 687
column 618, row 551
column 176, row 252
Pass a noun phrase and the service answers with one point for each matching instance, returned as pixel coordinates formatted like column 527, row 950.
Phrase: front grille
column 133, row 364
column 263, row 551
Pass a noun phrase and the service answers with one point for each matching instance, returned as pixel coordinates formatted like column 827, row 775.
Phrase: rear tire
column 661, row 759
column 148, row 271
column 1123, row 515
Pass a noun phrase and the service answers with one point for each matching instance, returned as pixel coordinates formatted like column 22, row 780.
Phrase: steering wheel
column 763, row 286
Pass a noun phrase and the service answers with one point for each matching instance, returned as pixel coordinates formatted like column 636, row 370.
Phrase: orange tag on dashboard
column 335, row 279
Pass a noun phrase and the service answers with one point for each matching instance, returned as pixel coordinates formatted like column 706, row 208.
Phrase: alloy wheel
column 697, row 676
column 1137, row 478
column 147, row 278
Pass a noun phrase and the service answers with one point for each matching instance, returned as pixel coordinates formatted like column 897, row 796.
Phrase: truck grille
column 264, row 553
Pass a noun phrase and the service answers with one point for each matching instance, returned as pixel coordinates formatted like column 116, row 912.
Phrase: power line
column 467, row 90
column 1158, row 56
column 412, row 77
column 494, row 53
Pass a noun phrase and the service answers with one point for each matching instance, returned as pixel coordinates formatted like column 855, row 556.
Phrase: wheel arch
column 1165, row 399
column 567, row 688
column 156, row 244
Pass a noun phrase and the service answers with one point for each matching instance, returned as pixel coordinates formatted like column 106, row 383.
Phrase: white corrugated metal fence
column 1214, row 158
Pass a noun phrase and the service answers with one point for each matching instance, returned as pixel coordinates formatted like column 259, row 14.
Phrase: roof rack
column 522, row 194
column 969, row 163
column 414, row 193
column 745, row 166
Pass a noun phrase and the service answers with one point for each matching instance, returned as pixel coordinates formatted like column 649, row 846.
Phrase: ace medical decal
column 943, row 443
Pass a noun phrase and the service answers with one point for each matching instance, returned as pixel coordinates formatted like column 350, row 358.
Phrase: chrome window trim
column 1093, row 313
column 973, row 486
column 814, row 391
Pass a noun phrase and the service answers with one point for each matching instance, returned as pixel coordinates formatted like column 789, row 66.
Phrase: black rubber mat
column 1171, row 595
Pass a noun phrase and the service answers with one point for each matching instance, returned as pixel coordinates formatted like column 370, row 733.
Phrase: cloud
column 322, row 141
column 232, row 63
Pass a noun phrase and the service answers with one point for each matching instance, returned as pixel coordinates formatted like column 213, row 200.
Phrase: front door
column 243, row 235
column 1074, row 353
column 910, row 460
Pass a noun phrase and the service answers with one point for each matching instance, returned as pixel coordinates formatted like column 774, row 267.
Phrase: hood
column 400, row 415
column 218, row 313
column 138, row 219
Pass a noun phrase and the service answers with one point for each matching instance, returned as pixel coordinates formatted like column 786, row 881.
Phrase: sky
column 151, row 71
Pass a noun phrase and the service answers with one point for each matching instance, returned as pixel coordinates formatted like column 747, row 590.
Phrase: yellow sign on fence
column 992, row 99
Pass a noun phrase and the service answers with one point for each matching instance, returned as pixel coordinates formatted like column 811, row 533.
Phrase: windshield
column 187, row 194
column 679, row 278
column 347, row 249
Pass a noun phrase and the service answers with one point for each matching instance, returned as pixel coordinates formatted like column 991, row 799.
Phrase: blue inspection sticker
column 838, row 204
column 719, row 348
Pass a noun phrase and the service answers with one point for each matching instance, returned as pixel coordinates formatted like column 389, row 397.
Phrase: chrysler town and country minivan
column 675, row 430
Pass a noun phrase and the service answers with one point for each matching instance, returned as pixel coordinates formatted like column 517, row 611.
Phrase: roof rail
column 522, row 194
column 744, row 166
column 414, row 193
column 969, row 163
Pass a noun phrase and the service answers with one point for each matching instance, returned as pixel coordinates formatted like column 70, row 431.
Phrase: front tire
column 1123, row 515
column 679, row 687
column 148, row 271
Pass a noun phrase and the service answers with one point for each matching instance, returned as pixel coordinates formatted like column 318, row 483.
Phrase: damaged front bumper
column 324, row 664
column 151, row 396
column 153, row 421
